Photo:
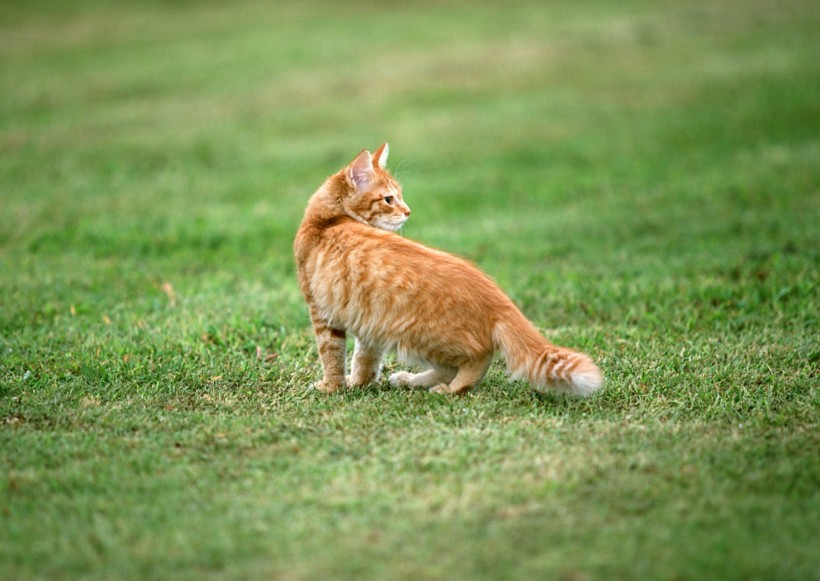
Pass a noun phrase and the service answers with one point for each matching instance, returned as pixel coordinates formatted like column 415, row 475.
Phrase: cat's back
column 363, row 260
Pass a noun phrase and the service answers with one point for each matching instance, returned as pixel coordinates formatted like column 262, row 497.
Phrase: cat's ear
column 360, row 170
column 380, row 157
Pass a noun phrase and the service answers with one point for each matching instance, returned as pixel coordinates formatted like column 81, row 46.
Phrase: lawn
column 642, row 178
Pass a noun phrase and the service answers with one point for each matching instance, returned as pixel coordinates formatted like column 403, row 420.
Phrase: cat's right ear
column 380, row 157
column 360, row 170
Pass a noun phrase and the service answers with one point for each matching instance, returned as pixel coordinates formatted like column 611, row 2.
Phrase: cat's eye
column 388, row 199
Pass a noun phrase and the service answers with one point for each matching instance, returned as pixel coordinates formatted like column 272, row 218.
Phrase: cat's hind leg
column 367, row 364
column 425, row 379
column 467, row 377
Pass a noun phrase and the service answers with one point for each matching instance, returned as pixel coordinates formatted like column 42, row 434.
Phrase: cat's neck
column 325, row 204
column 325, row 208
column 324, row 211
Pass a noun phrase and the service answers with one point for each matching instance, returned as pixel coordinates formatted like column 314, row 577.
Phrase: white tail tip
column 583, row 381
column 586, row 380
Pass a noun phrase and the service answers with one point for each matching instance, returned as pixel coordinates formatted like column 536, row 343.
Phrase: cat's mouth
column 391, row 225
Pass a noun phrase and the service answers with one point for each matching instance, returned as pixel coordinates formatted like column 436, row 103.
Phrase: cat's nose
column 407, row 211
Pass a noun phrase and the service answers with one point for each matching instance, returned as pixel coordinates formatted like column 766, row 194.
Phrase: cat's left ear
column 360, row 170
column 380, row 157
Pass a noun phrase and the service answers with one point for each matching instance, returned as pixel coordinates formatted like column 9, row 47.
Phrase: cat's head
column 373, row 196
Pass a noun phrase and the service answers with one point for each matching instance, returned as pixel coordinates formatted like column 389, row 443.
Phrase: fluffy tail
column 546, row 367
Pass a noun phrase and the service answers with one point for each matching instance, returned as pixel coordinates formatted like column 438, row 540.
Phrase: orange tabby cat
column 434, row 308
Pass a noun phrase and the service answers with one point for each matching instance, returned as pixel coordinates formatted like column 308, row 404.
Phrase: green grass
column 642, row 178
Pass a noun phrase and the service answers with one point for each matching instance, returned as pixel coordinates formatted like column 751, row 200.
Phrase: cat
column 358, row 276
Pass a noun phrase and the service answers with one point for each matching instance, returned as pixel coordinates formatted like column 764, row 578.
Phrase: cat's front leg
column 331, row 344
column 367, row 364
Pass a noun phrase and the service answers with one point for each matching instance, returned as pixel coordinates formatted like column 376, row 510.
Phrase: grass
column 641, row 177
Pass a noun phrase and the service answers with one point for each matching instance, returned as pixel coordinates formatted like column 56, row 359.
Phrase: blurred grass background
column 641, row 177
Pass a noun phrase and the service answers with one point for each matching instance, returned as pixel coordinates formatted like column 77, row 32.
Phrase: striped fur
column 391, row 293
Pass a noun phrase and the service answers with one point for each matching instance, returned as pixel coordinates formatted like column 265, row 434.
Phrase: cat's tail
column 545, row 366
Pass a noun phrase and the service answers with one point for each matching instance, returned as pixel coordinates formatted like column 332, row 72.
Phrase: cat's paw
column 400, row 379
column 441, row 388
column 327, row 387
column 353, row 383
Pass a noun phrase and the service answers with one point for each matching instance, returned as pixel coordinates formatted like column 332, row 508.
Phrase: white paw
column 400, row 378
